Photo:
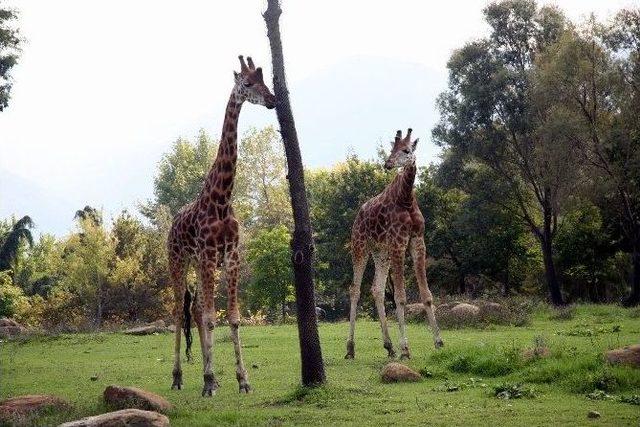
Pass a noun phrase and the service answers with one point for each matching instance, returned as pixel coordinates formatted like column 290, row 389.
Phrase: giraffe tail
column 186, row 326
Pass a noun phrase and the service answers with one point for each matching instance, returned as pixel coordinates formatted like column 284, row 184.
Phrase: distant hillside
column 351, row 106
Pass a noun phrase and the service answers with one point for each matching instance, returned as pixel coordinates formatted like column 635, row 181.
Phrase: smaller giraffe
column 385, row 225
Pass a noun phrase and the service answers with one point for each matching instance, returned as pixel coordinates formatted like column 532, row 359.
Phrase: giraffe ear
column 236, row 76
column 415, row 143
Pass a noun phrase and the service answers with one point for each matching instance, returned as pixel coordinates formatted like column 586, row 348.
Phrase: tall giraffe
column 206, row 232
column 384, row 226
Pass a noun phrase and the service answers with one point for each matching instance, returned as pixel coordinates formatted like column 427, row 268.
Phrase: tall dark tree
column 89, row 212
column 9, row 49
column 493, row 114
column 10, row 242
column 594, row 75
column 302, row 242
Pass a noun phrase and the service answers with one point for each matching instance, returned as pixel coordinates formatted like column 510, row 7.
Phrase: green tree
column 271, row 283
column 12, row 241
column 594, row 75
column 9, row 50
column 260, row 194
column 492, row 113
column 335, row 196
column 181, row 173
column 88, row 259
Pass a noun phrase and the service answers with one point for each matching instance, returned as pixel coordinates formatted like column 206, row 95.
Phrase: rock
column 122, row 418
column 465, row 310
column 443, row 308
column 535, row 353
column 155, row 327
column 394, row 372
column 5, row 321
column 9, row 328
column 17, row 410
column 132, row 397
column 171, row 328
column 415, row 311
column 593, row 414
column 628, row 355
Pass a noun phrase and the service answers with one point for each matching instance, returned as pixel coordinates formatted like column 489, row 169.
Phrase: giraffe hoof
column 245, row 388
column 405, row 356
column 351, row 350
column 210, row 385
column 439, row 343
column 349, row 356
column 177, row 381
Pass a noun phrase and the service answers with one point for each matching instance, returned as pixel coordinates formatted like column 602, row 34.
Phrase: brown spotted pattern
column 384, row 227
column 204, row 234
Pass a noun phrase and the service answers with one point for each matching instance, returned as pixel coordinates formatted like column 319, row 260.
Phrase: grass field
column 458, row 387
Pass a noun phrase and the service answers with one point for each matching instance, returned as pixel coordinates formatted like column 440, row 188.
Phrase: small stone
column 132, row 397
column 255, row 366
column 94, row 378
column 397, row 372
column 593, row 414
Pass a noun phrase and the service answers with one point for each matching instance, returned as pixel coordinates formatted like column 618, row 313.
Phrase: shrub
column 513, row 391
column 563, row 313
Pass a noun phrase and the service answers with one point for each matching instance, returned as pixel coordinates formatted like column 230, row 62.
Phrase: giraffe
column 384, row 226
column 205, row 232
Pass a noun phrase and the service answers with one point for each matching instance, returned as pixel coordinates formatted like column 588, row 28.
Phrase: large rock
column 415, row 311
column 465, row 310
column 17, row 410
column 9, row 328
column 152, row 328
column 132, row 397
column 122, row 418
column 394, row 372
column 628, row 355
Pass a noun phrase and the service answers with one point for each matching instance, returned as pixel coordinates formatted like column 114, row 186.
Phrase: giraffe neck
column 219, row 182
column 402, row 186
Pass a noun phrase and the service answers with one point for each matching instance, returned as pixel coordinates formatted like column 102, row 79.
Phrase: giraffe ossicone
column 384, row 227
column 205, row 233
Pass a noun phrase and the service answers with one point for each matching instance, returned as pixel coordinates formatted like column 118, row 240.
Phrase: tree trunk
column 550, row 268
column 634, row 298
column 301, row 243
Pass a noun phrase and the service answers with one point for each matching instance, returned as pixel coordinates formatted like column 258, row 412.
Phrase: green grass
column 460, row 384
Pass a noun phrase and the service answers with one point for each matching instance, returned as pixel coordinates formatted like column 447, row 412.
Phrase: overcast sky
column 104, row 87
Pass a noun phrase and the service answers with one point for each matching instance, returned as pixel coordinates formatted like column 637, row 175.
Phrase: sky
column 103, row 88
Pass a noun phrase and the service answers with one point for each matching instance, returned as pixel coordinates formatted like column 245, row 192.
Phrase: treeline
column 537, row 193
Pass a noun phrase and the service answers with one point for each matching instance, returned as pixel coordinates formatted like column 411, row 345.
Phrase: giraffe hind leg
column 178, row 268
column 419, row 255
column 359, row 263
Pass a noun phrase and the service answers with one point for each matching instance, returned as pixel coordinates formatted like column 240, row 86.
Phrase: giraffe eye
column 406, row 151
column 248, row 84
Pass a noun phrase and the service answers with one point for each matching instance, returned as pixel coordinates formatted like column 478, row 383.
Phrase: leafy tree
column 181, row 173
column 9, row 49
column 11, row 241
column 88, row 258
column 89, row 213
column 493, row 114
column 594, row 74
column 260, row 194
column 38, row 270
column 335, row 196
column 271, row 283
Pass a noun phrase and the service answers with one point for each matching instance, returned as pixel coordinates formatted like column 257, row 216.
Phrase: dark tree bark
column 301, row 243
column 634, row 298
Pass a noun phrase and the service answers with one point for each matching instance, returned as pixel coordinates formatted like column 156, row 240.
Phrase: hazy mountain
column 351, row 106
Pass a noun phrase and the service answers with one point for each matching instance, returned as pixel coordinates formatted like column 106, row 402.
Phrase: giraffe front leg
column 205, row 299
column 400, row 297
column 359, row 262
column 419, row 255
column 232, row 266
column 381, row 261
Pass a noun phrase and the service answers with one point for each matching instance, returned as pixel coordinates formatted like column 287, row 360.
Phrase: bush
column 12, row 299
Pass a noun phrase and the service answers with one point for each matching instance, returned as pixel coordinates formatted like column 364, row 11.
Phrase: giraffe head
column 402, row 151
column 250, row 85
